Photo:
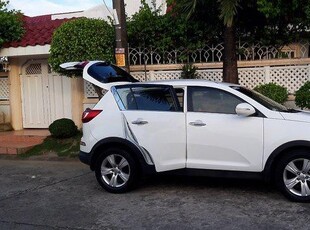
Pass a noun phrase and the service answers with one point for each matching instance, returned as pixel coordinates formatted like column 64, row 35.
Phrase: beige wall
column 77, row 90
column 13, row 108
column 15, row 95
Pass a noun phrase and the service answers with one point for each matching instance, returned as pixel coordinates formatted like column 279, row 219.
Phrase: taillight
column 90, row 114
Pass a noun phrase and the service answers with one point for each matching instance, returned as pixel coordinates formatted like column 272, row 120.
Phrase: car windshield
column 265, row 101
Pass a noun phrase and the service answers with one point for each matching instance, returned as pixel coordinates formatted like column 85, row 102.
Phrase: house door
column 46, row 96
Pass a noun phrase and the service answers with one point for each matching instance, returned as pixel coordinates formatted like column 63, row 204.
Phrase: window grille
column 35, row 68
column 4, row 88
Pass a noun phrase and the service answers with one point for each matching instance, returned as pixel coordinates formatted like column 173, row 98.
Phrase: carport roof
column 38, row 31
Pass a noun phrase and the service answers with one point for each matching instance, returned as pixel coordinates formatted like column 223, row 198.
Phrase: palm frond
column 189, row 7
column 228, row 9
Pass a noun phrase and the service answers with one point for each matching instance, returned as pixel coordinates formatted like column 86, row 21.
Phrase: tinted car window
column 180, row 95
column 210, row 100
column 105, row 73
column 147, row 98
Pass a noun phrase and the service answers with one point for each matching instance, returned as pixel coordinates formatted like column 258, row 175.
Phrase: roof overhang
column 25, row 51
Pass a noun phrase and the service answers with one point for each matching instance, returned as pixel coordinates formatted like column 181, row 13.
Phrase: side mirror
column 245, row 109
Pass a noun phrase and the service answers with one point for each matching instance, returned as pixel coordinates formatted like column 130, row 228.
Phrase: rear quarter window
column 152, row 98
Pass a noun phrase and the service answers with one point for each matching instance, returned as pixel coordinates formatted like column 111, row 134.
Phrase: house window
column 34, row 69
column 4, row 88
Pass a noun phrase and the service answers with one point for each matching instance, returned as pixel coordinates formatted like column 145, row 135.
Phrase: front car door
column 155, row 121
column 219, row 139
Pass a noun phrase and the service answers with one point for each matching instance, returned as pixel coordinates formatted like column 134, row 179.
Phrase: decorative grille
column 140, row 76
column 49, row 69
column 167, row 75
column 211, row 74
column 214, row 53
column 89, row 90
column 291, row 77
column 4, row 88
column 251, row 77
column 35, row 68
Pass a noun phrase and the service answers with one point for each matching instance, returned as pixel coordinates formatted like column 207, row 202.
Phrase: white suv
column 191, row 127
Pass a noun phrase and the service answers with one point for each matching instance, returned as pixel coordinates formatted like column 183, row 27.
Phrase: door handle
column 197, row 123
column 139, row 121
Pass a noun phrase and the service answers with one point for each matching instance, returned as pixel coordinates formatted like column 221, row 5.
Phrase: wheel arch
column 124, row 144
column 278, row 153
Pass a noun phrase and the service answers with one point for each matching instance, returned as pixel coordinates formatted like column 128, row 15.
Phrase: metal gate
column 46, row 96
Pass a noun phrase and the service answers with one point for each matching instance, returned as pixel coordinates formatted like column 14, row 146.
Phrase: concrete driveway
column 65, row 195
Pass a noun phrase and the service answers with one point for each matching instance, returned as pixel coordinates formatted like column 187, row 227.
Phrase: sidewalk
column 18, row 142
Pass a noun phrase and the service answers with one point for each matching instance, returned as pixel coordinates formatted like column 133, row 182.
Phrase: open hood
column 100, row 73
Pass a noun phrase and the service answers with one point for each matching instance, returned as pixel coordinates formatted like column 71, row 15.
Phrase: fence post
column 267, row 74
column 152, row 75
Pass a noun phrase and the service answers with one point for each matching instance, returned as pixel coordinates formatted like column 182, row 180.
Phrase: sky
column 41, row 7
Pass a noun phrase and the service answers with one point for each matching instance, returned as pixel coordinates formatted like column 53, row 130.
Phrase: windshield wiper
column 292, row 111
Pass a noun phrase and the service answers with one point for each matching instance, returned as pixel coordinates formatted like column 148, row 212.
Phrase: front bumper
column 85, row 157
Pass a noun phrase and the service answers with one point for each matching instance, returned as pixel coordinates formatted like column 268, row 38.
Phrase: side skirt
column 216, row 173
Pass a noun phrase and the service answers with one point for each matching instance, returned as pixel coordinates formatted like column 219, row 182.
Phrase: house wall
column 15, row 95
column 12, row 110
column 134, row 6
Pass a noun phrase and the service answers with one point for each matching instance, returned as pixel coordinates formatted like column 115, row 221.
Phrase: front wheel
column 293, row 176
column 116, row 171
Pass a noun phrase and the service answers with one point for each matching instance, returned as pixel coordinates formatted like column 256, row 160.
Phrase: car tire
column 293, row 175
column 116, row 171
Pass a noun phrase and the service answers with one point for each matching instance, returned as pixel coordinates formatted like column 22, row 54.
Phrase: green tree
column 272, row 22
column 228, row 11
column 81, row 39
column 224, row 10
column 165, row 31
column 11, row 26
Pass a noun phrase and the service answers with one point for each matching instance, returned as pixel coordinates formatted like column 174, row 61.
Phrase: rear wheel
column 116, row 171
column 293, row 176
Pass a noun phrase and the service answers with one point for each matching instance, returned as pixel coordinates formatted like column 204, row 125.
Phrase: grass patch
column 66, row 147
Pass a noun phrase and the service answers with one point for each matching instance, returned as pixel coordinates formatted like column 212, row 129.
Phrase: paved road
column 64, row 195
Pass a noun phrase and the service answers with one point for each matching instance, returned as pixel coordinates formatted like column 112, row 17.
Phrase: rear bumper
column 85, row 157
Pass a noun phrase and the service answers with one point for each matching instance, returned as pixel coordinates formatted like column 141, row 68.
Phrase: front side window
column 211, row 100
column 151, row 98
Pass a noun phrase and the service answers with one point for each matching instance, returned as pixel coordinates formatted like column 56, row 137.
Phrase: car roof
column 188, row 82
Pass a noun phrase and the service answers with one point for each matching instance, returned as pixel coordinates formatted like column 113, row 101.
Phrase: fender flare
column 125, row 144
column 278, row 152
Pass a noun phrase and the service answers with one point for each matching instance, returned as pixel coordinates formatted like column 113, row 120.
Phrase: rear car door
column 155, row 121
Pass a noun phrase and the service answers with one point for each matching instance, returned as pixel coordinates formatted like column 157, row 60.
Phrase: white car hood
column 303, row 116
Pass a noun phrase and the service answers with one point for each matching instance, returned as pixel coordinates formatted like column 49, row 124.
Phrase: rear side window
column 151, row 98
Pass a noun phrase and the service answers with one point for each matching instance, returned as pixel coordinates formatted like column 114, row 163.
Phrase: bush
column 81, row 39
column 273, row 91
column 189, row 71
column 63, row 128
column 303, row 96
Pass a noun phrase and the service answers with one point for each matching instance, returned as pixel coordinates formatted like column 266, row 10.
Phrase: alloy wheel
column 115, row 170
column 296, row 177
